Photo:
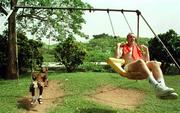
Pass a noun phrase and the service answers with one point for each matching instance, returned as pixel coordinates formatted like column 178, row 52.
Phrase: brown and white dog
column 40, row 80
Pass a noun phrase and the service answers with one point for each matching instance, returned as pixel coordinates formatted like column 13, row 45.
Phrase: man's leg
column 140, row 66
column 154, row 66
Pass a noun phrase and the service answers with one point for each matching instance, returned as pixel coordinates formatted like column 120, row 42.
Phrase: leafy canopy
column 50, row 23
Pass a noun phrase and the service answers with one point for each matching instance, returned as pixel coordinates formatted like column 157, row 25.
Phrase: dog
column 39, row 80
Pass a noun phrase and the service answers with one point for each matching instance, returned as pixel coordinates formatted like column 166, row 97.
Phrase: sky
column 161, row 15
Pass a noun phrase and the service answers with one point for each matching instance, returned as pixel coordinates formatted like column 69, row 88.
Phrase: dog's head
column 44, row 70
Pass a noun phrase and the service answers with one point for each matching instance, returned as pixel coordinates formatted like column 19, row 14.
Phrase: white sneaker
column 170, row 96
column 162, row 91
column 40, row 99
column 170, row 88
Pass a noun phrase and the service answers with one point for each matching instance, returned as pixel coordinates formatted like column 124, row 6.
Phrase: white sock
column 161, row 81
column 152, row 80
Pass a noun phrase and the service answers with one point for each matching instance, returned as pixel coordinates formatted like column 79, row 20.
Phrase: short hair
column 131, row 34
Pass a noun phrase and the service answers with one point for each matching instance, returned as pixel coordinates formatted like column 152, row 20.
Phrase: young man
column 138, row 64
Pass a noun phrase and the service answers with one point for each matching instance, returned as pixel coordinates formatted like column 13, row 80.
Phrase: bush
column 3, row 55
column 27, row 49
column 157, row 52
column 29, row 55
column 70, row 53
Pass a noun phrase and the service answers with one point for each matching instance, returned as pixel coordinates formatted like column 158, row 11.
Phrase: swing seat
column 116, row 64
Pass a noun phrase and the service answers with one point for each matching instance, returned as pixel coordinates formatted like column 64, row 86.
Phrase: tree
column 44, row 23
column 171, row 40
column 12, row 65
column 3, row 54
column 29, row 53
column 70, row 54
column 52, row 23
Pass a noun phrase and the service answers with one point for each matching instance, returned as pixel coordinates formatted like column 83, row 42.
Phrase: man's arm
column 146, row 56
column 118, row 51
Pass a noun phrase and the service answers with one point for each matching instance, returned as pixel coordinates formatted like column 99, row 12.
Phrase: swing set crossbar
column 107, row 10
column 72, row 8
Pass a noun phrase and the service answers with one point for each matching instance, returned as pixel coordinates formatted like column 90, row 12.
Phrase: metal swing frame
column 112, row 10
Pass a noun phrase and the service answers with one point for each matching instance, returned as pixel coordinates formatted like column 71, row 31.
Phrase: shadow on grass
column 24, row 104
column 95, row 110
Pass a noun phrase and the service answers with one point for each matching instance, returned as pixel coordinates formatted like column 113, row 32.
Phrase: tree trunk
column 12, row 70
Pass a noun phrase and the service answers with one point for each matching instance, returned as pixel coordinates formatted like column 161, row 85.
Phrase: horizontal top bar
column 71, row 8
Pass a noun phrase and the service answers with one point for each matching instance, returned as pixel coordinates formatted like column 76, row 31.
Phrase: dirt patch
column 51, row 95
column 118, row 98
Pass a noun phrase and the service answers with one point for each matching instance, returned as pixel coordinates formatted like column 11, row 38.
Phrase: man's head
column 131, row 38
column 131, row 35
column 44, row 70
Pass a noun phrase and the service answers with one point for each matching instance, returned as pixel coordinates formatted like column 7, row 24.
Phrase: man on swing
column 138, row 65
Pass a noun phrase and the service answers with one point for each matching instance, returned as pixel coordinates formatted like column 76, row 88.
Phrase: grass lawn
column 78, row 85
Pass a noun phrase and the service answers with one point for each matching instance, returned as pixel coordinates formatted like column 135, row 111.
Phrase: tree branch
column 31, row 16
column 2, row 10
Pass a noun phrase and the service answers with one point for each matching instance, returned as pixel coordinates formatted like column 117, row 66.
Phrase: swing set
column 116, row 64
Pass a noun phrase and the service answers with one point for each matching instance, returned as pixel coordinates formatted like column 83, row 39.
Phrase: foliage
column 102, row 46
column 172, row 41
column 24, row 52
column 3, row 54
column 43, row 23
column 48, row 52
column 70, row 53
column 92, row 67
column 50, row 22
column 36, row 54
column 28, row 51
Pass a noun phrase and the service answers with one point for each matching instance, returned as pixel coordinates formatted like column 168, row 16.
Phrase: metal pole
column 111, row 24
column 127, row 22
column 71, row 8
column 177, row 65
column 138, row 24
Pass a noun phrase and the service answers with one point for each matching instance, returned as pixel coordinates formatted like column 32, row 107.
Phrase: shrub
column 3, row 55
column 70, row 53
column 26, row 49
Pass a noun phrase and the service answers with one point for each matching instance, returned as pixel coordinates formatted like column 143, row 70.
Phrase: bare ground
column 107, row 95
column 51, row 95
column 118, row 98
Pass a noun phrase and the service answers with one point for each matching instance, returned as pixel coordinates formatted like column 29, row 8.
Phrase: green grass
column 78, row 85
